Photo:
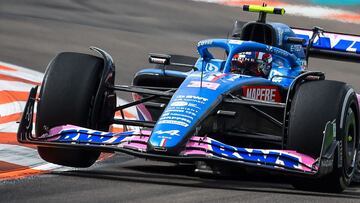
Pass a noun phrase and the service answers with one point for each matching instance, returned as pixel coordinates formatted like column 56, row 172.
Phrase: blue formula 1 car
column 254, row 105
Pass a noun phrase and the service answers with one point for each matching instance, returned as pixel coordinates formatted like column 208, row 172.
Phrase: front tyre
column 67, row 96
column 314, row 104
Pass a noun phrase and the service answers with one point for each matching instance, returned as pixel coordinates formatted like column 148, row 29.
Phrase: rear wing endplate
column 330, row 45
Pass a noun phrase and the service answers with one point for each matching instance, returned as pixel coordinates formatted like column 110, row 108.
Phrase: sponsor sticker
column 192, row 98
column 334, row 41
column 215, row 76
column 157, row 60
column 168, row 132
column 179, row 103
column 208, row 85
column 263, row 93
column 205, row 42
column 277, row 51
column 276, row 76
column 174, row 122
column 256, row 155
column 233, row 41
column 211, row 67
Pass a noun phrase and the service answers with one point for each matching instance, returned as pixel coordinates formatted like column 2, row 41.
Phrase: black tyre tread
column 356, row 178
column 67, row 71
column 314, row 104
column 68, row 88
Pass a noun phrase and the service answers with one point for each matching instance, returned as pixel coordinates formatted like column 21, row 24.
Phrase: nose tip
column 159, row 147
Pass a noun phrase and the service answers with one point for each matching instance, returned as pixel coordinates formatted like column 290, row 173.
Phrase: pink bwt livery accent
column 206, row 146
column 137, row 142
column 196, row 146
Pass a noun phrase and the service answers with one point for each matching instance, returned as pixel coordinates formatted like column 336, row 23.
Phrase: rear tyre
column 314, row 104
column 67, row 96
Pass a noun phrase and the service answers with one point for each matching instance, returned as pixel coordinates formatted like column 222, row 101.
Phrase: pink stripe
column 195, row 144
column 136, row 146
column 304, row 159
column 145, row 132
column 137, row 139
column 57, row 130
column 307, row 160
column 195, row 152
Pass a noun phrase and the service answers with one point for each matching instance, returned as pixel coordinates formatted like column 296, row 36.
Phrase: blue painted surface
column 200, row 93
column 328, row 42
column 191, row 104
column 237, row 46
column 337, row 2
column 197, row 97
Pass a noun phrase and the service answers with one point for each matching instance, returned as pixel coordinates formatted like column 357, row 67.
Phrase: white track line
column 11, row 108
column 15, row 86
column 27, row 73
column 25, row 156
column 10, row 127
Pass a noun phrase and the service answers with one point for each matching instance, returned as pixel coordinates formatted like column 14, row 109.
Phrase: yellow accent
column 256, row 8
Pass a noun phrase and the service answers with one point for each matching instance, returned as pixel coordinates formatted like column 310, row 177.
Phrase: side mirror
column 162, row 59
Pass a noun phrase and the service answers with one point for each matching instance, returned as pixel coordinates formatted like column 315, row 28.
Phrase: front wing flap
column 196, row 149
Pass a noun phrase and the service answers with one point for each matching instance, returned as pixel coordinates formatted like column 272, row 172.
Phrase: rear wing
column 330, row 45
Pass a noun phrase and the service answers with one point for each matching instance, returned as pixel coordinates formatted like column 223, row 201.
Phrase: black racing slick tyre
column 314, row 104
column 67, row 96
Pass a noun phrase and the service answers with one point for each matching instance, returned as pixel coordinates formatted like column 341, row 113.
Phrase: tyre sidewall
column 67, row 97
column 349, row 101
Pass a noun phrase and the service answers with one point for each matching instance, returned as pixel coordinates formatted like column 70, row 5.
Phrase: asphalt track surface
column 32, row 32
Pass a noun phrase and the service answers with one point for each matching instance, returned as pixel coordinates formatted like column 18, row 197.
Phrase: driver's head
column 252, row 63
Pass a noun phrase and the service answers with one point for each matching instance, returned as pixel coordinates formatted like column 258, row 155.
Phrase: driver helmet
column 252, row 63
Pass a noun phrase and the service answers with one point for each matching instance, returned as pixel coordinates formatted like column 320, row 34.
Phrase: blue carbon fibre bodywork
column 192, row 103
column 203, row 90
column 200, row 92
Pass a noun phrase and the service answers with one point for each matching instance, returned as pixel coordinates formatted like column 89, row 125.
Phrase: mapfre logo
column 263, row 93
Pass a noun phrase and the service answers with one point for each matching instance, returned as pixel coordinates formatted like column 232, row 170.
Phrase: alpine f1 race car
column 257, row 105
